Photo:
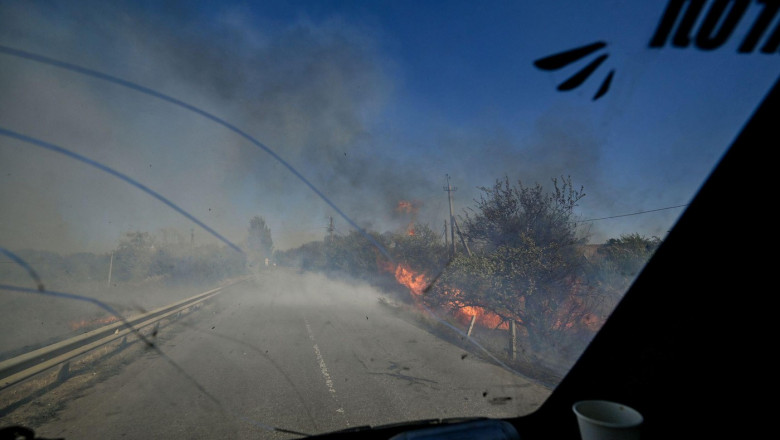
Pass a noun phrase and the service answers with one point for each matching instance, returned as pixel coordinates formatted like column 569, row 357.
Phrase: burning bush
column 526, row 265
column 423, row 251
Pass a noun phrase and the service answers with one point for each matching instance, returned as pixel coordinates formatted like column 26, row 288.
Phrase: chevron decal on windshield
column 562, row 59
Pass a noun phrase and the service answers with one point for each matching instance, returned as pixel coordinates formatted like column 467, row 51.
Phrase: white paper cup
column 603, row 420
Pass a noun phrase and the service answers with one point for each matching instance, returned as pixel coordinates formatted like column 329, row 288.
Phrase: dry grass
column 497, row 342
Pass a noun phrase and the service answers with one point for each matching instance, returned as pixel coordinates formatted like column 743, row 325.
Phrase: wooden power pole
column 446, row 240
column 463, row 240
column 110, row 268
column 449, row 190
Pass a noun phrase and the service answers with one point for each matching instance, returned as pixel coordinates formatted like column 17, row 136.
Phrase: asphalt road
column 296, row 352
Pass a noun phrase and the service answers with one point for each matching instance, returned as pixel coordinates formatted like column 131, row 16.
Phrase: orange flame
column 483, row 317
column 571, row 315
column 75, row 325
column 417, row 282
column 413, row 281
column 406, row 206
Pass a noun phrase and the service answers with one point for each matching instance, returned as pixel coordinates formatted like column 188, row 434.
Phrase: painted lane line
column 324, row 370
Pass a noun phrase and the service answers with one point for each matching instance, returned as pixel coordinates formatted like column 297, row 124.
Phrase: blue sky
column 374, row 102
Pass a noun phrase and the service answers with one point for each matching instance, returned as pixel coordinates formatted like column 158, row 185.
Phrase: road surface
column 292, row 351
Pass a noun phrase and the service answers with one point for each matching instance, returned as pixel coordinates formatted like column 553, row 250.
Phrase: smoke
column 322, row 93
column 307, row 90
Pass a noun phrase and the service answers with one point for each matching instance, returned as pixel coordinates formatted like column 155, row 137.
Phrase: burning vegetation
column 409, row 209
column 526, row 265
column 418, row 282
column 92, row 323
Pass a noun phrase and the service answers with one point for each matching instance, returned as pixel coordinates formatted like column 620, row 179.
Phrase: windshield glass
column 292, row 217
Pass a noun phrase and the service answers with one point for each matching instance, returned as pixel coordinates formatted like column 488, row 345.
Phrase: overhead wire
column 633, row 213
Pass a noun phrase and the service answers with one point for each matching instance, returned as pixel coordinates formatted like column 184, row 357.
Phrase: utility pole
column 462, row 240
column 446, row 240
column 449, row 190
column 110, row 268
column 331, row 229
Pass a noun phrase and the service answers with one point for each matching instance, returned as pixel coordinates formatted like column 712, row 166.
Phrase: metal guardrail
column 24, row 366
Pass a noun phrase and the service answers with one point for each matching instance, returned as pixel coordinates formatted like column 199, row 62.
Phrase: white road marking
column 324, row 370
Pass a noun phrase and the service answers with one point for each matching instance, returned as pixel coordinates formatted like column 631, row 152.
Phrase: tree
column 506, row 215
column 526, row 262
column 354, row 254
column 629, row 253
column 423, row 251
column 259, row 243
column 133, row 256
column 617, row 263
column 206, row 263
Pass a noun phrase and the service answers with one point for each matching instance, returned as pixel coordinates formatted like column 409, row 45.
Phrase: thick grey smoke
column 306, row 90
column 318, row 92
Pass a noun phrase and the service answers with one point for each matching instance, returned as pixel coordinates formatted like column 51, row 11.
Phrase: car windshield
column 284, row 218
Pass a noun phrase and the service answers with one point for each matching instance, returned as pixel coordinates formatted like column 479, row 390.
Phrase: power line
column 633, row 213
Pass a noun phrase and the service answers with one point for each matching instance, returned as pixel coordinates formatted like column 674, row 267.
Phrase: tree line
column 166, row 257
